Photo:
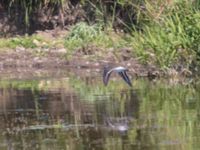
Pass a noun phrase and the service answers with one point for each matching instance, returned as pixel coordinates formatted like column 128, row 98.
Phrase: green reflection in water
column 72, row 113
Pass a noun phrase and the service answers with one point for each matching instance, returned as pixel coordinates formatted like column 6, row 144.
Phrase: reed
column 169, row 37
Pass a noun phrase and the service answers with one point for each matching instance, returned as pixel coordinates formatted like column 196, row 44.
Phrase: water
column 72, row 113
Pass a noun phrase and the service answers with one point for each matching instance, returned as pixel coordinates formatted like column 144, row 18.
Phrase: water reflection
column 78, row 114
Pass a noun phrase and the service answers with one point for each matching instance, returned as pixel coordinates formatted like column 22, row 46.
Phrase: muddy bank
column 27, row 62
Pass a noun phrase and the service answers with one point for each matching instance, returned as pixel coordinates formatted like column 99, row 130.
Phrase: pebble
column 36, row 42
column 61, row 50
column 19, row 49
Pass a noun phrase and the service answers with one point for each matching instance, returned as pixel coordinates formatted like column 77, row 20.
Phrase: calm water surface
column 73, row 113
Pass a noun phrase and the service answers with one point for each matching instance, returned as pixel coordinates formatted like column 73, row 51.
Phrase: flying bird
column 120, row 70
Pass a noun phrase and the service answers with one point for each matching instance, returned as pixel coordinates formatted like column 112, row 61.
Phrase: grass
column 168, row 34
column 82, row 35
column 28, row 8
column 172, row 38
column 25, row 41
column 33, row 41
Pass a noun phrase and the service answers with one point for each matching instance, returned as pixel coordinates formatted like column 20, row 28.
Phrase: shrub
column 82, row 34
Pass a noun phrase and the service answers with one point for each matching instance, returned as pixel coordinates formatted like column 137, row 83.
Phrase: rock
column 44, row 44
column 36, row 42
column 36, row 58
column 19, row 49
column 61, row 50
column 45, row 50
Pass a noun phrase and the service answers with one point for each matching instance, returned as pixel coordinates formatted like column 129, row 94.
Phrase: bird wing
column 125, row 77
column 106, row 76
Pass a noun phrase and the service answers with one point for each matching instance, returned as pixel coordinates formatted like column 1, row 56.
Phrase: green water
column 73, row 113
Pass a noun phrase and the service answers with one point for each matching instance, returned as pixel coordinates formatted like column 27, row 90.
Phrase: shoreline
column 26, row 62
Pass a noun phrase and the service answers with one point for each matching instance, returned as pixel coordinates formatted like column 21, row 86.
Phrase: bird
column 120, row 70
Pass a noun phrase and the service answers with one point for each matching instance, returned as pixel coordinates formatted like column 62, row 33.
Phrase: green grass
column 82, row 35
column 173, row 38
column 23, row 41
column 166, row 37
column 33, row 41
column 163, row 34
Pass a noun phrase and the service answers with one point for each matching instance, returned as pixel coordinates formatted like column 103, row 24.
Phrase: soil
column 27, row 62
column 45, row 61
column 55, row 59
column 41, row 61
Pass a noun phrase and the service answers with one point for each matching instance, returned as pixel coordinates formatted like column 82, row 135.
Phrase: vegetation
column 83, row 35
column 27, row 9
column 77, row 112
column 165, row 38
column 173, row 37
column 26, row 41
column 164, row 33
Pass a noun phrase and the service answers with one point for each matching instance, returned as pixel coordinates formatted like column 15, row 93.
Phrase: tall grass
column 119, row 14
column 172, row 37
column 111, row 13
column 27, row 8
column 83, row 35
column 163, row 32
